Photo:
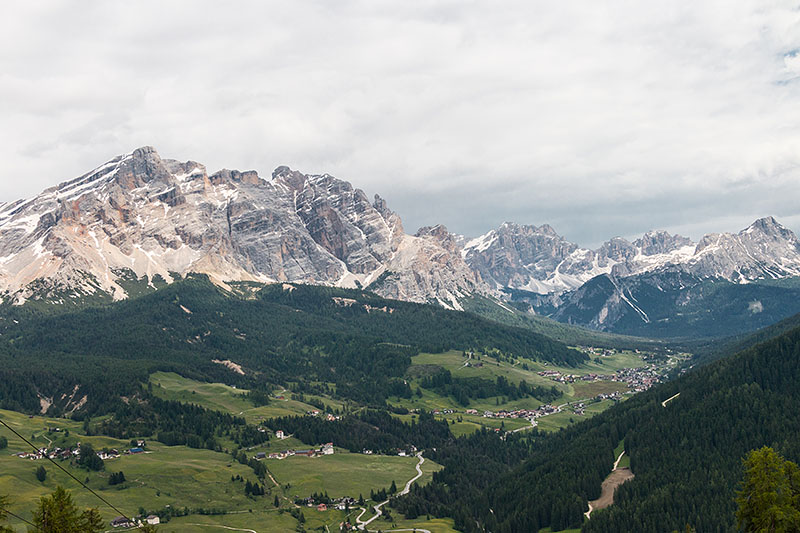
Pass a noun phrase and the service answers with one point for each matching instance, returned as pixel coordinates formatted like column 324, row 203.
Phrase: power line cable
column 9, row 513
column 81, row 483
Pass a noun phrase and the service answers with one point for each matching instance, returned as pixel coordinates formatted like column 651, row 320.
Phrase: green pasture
column 221, row 397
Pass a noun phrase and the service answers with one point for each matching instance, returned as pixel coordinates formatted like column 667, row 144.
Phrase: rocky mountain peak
column 618, row 249
column 292, row 179
column 660, row 242
column 248, row 177
column 143, row 216
column 441, row 235
column 769, row 227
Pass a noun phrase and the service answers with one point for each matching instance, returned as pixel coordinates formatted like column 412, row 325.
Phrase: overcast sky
column 599, row 118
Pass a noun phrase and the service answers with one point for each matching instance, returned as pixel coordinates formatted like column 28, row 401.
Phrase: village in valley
column 610, row 376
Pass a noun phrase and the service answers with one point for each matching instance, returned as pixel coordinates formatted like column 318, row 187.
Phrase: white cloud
column 600, row 118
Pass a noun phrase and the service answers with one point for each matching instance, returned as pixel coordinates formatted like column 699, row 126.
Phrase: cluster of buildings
column 529, row 414
column 557, row 376
column 136, row 521
column 408, row 452
column 67, row 453
column 330, row 417
column 340, row 504
column 46, row 453
column 325, row 449
column 616, row 395
column 638, row 379
column 604, row 352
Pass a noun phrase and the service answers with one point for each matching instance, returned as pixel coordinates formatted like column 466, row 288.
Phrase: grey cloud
column 601, row 118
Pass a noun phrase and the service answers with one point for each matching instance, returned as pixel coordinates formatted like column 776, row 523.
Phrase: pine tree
column 41, row 473
column 57, row 513
column 770, row 495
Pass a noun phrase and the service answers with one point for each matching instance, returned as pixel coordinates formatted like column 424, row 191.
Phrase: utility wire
column 9, row 513
column 81, row 483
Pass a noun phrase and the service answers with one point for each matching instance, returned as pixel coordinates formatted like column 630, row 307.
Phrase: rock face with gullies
column 428, row 267
column 156, row 217
column 537, row 259
column 665, row 285
column 146, row 217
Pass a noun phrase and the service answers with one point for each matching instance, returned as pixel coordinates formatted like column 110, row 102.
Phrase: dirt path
column 225, row 527
column 665, row 402
column 617, row 477
column 534, row 423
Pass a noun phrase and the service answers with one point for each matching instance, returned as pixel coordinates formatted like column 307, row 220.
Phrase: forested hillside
column 686, row 455
column 358, row 343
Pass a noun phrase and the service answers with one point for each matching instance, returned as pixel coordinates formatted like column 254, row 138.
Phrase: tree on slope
column 769, row 501
column 57, row 513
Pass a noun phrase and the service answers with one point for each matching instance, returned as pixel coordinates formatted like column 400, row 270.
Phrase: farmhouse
column 307, row 453
column 121, row 521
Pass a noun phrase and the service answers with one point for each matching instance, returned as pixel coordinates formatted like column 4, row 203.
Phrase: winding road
column 363, row 524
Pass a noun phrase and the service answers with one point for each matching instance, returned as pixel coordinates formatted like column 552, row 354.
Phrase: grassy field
column 343, row 474
column 625, row 462
column 154, row 479
column 179, row 477
column 434, row 525
column 516, row 372
column 220, row 397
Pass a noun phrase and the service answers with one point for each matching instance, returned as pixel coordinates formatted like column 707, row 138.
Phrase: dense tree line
column 466, row 389
column 175, row 423
column 369, row 429
column 282, row 336
column 472, row 464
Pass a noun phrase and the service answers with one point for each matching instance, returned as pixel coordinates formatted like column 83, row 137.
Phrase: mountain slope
column 139, row 216
column 142, row 216
column 686, row 455
column 537, row 259
column 277, row 334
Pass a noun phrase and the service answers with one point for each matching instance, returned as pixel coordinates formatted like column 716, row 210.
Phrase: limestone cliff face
column 149, row 217
column 537, row 259
column 157, row 217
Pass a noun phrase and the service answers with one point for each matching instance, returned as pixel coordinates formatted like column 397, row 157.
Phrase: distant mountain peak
column 525, row 257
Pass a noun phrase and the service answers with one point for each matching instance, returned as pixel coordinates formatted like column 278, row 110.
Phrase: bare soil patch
column 610, row 484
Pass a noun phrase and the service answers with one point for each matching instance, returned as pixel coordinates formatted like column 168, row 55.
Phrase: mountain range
column 142, row 217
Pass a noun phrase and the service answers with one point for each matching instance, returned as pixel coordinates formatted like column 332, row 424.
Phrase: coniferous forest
column 303, row 336
column 686, row 455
